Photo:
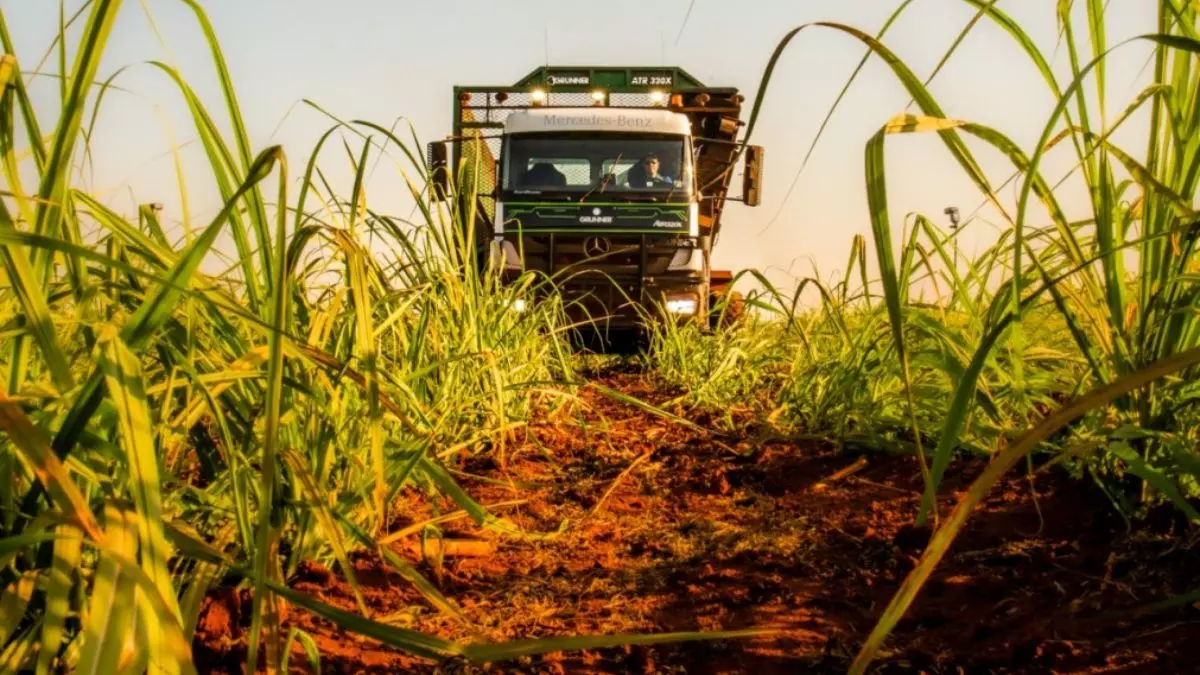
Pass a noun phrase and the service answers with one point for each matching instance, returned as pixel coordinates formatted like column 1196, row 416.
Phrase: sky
column 385, row 61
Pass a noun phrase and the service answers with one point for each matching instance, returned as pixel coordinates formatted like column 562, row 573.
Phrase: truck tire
column 728, row 311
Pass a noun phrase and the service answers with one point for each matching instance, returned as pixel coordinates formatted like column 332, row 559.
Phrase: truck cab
column 607, row 199
column 611, row 181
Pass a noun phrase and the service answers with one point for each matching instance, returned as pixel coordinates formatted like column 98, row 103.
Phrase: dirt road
column 674, row 529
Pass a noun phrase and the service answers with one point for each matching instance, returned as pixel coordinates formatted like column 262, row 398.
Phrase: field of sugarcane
column 346, row 453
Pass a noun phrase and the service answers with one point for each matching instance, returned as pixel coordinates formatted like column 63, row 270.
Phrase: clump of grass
column 831, row 369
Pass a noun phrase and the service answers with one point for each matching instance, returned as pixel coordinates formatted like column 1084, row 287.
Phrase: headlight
column 681, row 304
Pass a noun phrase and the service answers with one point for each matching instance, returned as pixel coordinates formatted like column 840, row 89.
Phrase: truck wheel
column 726, row 311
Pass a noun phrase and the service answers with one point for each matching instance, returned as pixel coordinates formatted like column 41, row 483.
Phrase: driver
column 645, row 174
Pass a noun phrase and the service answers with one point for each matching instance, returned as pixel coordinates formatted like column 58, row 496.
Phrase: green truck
column 612, row 180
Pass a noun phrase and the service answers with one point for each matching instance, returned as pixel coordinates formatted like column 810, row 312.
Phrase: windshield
column 592, row 164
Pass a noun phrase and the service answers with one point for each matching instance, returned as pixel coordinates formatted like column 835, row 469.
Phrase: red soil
column 708, row 532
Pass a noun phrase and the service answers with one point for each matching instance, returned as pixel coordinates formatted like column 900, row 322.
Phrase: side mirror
column 439, row 173
column 752, row 178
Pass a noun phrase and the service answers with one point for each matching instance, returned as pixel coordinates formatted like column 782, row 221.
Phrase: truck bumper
column 630, row 283
column 605, row 303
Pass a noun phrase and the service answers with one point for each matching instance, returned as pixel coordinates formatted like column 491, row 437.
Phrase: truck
column 610, row 180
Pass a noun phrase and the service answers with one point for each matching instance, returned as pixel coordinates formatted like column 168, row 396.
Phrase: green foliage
column 1079, row 339
column 230, row 427
column 832, row 370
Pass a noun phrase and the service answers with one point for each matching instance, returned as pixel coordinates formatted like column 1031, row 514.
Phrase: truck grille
column 623, row 259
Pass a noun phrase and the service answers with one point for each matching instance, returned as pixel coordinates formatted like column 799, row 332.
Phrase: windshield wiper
column 604, row 181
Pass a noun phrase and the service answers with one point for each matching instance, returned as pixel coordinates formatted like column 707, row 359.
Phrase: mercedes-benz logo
column 596, row 211
column 596, row 246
